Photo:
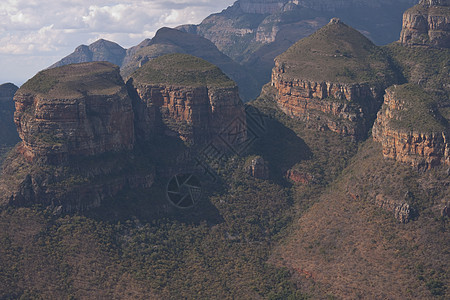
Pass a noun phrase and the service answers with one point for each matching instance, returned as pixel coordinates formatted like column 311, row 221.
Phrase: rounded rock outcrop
column 333, row 80
column 194, row 99
column 427, row 24
column 80, row 109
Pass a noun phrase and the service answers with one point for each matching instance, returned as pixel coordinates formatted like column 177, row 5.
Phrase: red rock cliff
column 76, row 126
column 195, row 111
column 427, row 23
column 416, row 145
column 333, row 80
column 79, row 109
column 325, row 105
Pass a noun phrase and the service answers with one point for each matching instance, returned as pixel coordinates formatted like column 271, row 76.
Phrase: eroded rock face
column 85, row 110
column 197, row 113
column 299, row 176
column 420, row 147
column 76, row 126
column 312, row 102
column 261, row 7
column 400, row 210
column 313, row 86
column 427, row 23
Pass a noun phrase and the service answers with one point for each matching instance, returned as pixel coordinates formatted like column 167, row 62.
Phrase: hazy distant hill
column 101, row 50
column 169, row 40
column 254, row 32
column 166, row 41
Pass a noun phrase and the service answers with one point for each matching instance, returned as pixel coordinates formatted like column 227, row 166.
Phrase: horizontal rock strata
column 427, row 23
column 417, row 147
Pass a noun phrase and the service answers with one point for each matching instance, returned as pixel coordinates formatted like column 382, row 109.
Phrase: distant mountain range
column 252, row 33
column 166, row 41
column 8, row 136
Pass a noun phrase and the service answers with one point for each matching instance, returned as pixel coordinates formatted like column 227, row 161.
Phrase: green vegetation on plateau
column 182, row 70
column 337, row 53
column 73, row 81
column 422, row 65
column 419, row 112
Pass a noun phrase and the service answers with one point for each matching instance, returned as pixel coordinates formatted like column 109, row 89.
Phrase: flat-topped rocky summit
column 333, row 79
column 193, row 97
column 81, row 109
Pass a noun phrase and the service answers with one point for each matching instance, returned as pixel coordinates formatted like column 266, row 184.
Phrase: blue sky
column 36, row 33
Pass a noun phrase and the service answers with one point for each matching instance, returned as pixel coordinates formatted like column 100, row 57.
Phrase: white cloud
column 48, row 28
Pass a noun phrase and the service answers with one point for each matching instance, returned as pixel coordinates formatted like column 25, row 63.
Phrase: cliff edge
column 192, row 97
column 76, row 124
column 427, row 24
column 412, row 129
column 333, row 80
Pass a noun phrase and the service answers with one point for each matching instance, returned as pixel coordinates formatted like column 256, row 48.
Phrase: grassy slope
column 418, row 112
column 429, row 67
column 354, row 249
column 72, row 81
column 427, row 94
column 337, row 53
column 182, row 70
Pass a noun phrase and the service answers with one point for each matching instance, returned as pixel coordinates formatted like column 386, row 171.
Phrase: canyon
column 407, row 141
column 320, row 204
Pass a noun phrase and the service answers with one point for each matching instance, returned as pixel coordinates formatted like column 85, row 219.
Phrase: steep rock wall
column 418, row 148
column 69, row 121
column 76, row 123
column 427, row 23
column 196, row 114
column 327, row 105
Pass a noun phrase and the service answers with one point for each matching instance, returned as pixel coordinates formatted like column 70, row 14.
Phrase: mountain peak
column 336, row 52
column 335, row 21
column 100, row 50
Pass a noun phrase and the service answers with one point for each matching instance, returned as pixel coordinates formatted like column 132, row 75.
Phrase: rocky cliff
column 81, row 109
column 195, row 100
column 8, row 135
column 427, row 23
column 333, row 80
column 257, row 167
column 411, row 128
column 76, row 123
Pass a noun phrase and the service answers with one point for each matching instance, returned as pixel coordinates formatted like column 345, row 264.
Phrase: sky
column 37, row 33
